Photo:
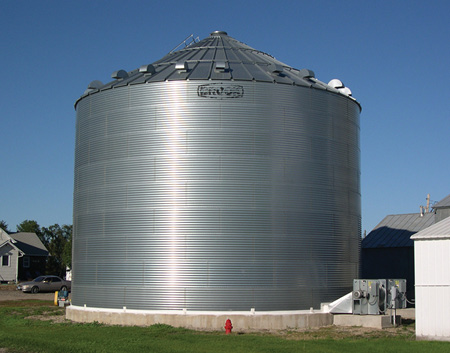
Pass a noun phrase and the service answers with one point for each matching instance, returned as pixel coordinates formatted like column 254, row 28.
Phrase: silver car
column 45, row 284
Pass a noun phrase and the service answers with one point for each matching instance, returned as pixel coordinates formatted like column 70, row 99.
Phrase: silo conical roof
column 217, row 57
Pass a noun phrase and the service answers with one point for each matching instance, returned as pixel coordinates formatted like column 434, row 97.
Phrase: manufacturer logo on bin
column 220, row 91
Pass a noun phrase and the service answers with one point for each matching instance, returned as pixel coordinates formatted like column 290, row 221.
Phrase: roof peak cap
column 218, row 33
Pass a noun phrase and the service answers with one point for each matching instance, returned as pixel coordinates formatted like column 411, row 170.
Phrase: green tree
column 31, row 226
column 58, row 239
column 67, row 252
column 4, row 226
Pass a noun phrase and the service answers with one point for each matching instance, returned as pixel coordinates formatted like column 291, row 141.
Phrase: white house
column 22, row 256
column 432, row 276
column 9, row 258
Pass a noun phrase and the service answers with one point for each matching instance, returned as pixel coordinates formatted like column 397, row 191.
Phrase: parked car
column 45, row 284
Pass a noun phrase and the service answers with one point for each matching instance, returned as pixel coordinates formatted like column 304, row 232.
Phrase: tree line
column 57, row 239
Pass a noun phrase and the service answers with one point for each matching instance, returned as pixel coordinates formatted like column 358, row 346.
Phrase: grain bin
column 215, row 179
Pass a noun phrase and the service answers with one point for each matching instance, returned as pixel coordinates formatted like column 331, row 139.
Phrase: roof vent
column 339, row 85
column 181, row 66
column 119, row 74
column 275, row 69
column 221, row 66
column 147, row 69
column 218, row 33
column 345, row 90
column 305, row 73
column 335, row 83
column 95, row 84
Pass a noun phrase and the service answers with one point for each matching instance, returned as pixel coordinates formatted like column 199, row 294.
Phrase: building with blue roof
column 388, row 250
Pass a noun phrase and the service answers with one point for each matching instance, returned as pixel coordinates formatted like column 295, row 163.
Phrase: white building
column 432, row 276
column 22, row 256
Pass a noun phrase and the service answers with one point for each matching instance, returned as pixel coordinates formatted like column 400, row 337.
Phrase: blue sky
column 393, row 55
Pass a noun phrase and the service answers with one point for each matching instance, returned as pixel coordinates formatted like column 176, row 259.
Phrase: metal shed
column 432, row 272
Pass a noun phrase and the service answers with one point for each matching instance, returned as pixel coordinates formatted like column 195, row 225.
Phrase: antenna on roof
column 425, row 209
column 185, row 42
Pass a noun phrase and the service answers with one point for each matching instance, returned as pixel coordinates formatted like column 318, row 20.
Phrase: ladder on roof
column 187, row 42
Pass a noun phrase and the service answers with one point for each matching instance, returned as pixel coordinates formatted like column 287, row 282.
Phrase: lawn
column 38, row 326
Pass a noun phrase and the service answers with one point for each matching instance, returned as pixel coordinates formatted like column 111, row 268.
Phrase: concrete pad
column 215, row 321
column 373, row 321
column 408, row 313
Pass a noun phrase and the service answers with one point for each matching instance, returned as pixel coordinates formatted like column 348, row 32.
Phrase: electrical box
column 375, row 296
column 369, row 296
column 396, row 293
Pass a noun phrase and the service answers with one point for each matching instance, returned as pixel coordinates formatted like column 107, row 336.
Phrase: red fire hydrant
column 228, row 326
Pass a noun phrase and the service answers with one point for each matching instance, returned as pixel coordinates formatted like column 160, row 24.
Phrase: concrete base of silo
column 214, row 321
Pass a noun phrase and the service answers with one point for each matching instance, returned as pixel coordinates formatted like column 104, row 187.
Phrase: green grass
column 36, row 326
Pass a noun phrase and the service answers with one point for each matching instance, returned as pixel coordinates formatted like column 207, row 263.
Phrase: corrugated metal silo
column 216, row 178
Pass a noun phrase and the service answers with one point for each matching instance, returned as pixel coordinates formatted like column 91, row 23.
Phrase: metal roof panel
column 220, row 54
column 395, row 230
column 437, row 231
column 445, row 202
column 239, row 72
column 209, row 53
column 202, row 71
column 197, row 54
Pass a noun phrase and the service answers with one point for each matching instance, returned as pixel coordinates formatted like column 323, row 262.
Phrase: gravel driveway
column 19, row 295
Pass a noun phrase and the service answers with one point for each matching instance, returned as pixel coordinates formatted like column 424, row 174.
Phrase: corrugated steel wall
column 185, row 201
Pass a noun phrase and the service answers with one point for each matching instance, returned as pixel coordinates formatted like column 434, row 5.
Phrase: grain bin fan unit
column 375, row 296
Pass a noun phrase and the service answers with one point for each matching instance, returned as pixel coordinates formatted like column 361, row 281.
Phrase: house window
column 5, row 260
column 26, row 261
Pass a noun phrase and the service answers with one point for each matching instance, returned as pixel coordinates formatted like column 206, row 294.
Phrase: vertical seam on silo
column 128, row 96
column 220, row 221
column 253, row 143
column 207, row 273
column 104, row 175
column 106, row 124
